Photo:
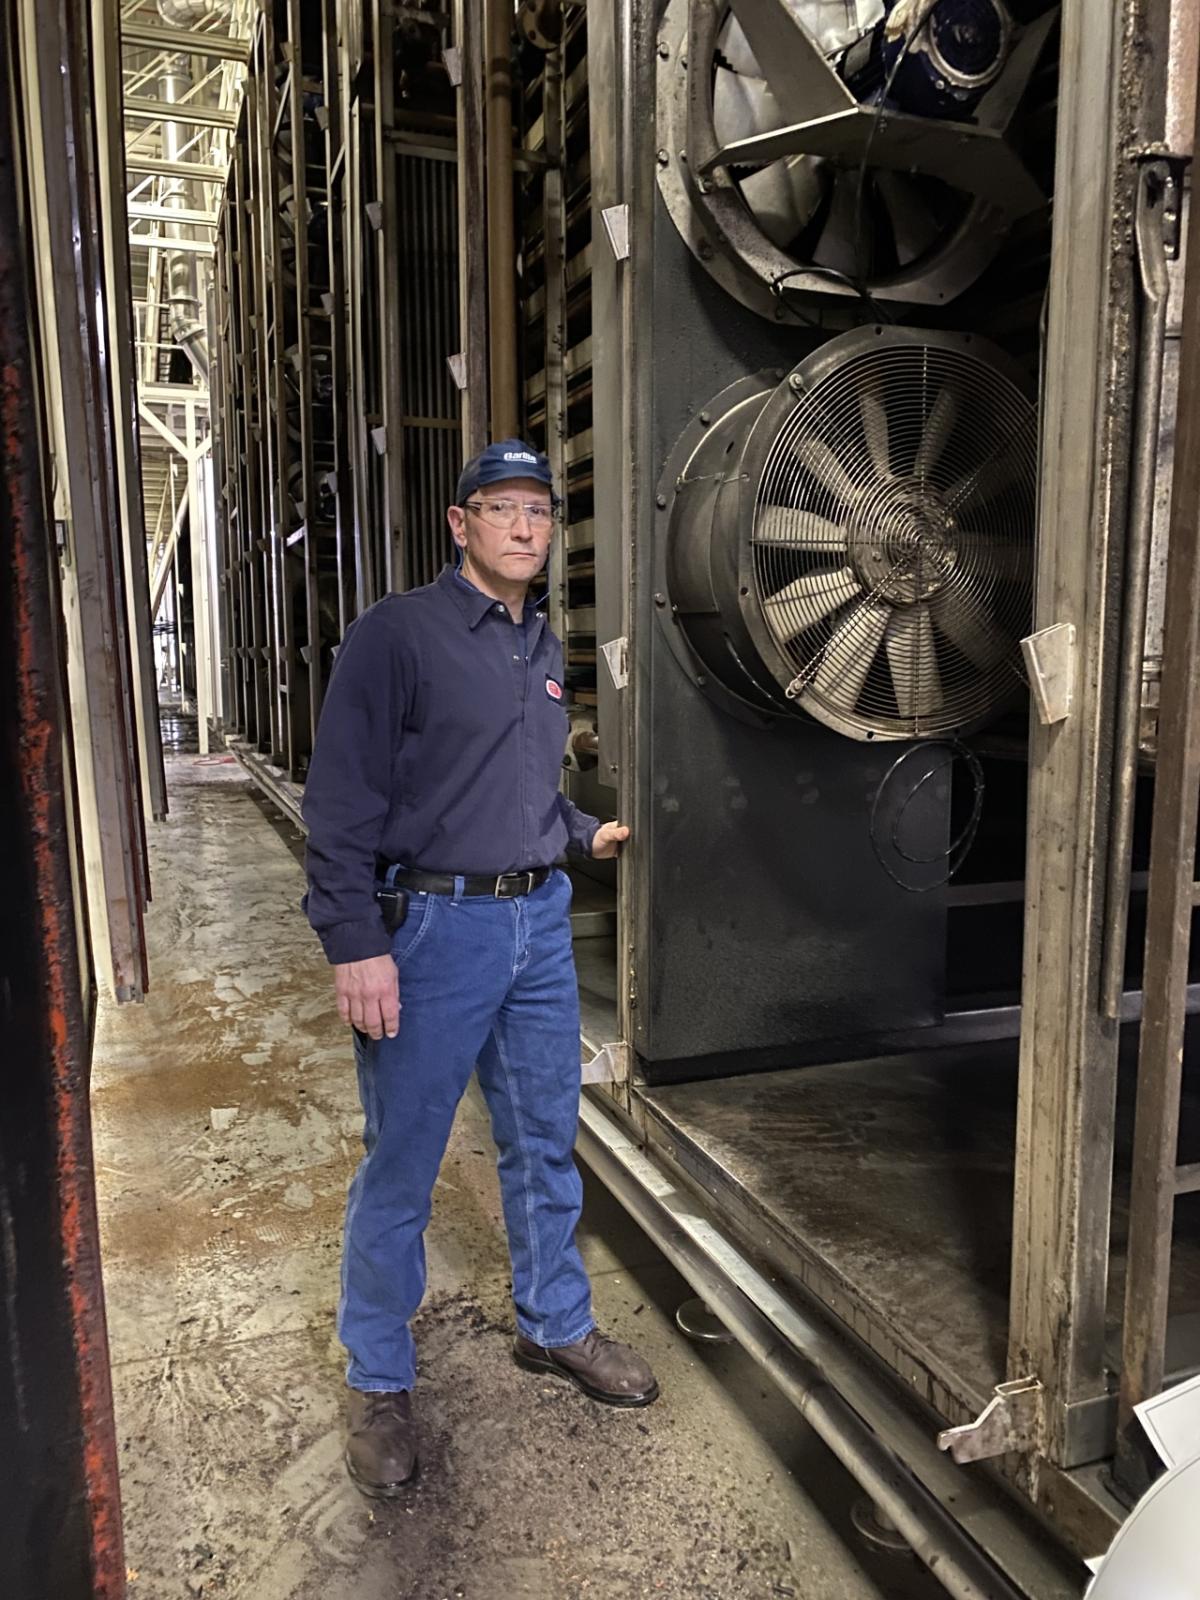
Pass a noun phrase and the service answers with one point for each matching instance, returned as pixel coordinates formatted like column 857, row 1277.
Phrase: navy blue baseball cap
column 510, row 458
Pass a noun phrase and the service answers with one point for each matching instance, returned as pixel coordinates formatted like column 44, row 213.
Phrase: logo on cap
column 519, row 455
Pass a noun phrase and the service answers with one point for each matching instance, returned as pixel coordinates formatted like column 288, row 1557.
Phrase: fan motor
column 856, row 541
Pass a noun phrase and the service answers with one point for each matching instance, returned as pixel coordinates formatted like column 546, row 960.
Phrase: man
column 435, row 821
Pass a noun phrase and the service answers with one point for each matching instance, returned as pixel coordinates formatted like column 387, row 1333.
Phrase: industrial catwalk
column 226, row 1123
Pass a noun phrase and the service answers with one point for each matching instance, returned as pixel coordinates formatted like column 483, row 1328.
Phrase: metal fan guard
column 856, row 541
column 720, row 230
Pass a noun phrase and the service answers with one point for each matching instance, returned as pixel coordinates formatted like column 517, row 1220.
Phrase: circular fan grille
column 892, row 544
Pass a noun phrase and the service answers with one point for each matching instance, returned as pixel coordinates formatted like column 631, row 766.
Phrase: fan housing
column 855, row 540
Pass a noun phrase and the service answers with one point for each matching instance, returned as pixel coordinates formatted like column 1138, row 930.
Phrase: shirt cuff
column 355, row 941
column 582, row 836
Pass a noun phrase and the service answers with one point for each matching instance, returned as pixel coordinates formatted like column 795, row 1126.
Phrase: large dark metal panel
column 771, row 923
column 60, row 1532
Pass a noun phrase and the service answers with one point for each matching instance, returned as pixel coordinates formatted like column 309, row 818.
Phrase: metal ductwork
column 183, row 272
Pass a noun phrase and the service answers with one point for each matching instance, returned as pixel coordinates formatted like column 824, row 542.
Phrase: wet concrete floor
column 221, row 1262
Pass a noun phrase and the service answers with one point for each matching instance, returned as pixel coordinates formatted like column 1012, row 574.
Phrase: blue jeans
column 486, row 983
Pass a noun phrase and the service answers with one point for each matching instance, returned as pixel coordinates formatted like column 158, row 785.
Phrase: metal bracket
column 374, row 209
column 616, row 225
column 1050, row 661
column 1011, row 1420
column 452, row 56
column 458, row 368
column 616, row 658
column 610, row 1064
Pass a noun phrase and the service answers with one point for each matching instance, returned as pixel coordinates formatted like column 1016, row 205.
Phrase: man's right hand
column 368, row 995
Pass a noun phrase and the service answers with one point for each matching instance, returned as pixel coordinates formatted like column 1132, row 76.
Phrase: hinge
column 1011, row 1420
column 610, row 1064
column 616, row 658
column 616, row 226
column 1050, row 661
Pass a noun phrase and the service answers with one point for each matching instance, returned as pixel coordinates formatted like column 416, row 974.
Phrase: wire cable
column 956, row 852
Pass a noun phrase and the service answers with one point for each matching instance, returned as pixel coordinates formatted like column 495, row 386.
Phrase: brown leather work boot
column 381, row 1443
column 602, row 1368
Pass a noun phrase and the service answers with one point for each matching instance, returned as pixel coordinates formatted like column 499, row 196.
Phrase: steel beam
column 472, row 272
column 144, row 211
column 159, row 167
column 1155, row 1178
column 195, row 247
column 1067, row 1081
column 136, row 35
column 179, row 111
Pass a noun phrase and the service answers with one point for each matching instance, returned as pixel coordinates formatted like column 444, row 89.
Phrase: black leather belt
column 508, row 886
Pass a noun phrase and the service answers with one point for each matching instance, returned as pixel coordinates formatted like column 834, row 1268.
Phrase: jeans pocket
column 414, row 927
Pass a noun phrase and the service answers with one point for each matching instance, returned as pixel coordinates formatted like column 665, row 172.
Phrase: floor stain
column 221, row 1266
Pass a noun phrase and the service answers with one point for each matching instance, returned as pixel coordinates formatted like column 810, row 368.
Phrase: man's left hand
column 610, row 836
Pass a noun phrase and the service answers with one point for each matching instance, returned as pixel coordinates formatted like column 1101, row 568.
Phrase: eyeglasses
column 504, row 513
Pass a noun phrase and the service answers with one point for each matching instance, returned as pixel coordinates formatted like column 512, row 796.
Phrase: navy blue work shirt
column 440, row 746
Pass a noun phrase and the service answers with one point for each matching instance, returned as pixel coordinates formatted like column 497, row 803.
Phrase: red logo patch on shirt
column 554, row 690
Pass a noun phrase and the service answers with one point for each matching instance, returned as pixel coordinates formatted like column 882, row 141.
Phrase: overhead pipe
column 502, row 248
column 183, row 270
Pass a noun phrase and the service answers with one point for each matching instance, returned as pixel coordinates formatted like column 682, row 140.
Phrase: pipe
column 692, row 1246
column 1154, row 185
column 502, row 249
column 183, row 271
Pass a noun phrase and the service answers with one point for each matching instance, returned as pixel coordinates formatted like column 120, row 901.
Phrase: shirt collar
column 474, row 604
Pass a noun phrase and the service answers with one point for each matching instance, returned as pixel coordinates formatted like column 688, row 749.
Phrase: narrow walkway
column 221, row 1260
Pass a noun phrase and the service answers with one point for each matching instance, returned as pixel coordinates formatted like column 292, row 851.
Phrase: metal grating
column 892, row 547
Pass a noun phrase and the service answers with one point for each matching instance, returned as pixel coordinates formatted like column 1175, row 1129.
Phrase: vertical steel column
column 472, row 292
column 308, row 656
column 501, row 243
column 387, row 335
column 200, row 618
column 60, row 1520
column 64, row 52
column 1171, row 896
column 555, row 320
column 1066, row 1101
column 335, row 189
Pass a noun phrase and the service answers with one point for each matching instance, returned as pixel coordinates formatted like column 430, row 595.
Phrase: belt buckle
column 528, row 875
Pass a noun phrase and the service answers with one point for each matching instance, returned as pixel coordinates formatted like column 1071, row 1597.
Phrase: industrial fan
column 864, row 533
column 870, row 154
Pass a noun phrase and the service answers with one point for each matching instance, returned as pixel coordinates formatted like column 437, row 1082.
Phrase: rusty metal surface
column 60, row 1530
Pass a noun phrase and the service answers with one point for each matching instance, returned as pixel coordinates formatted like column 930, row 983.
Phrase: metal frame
column 1158, row 1178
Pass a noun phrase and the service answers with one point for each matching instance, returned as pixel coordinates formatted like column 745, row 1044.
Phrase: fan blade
column 742, row 106
column 784, row 196
column 838, row 246
column 734, row 47
column 804, row 83
column 939, row 425
column 912, row 657
column 818, row 459
column 807, row 600
column 798, row 530
column 847, row 658
column 991, row 477
column 913, row 225
column 875, row 427
column 964, row 621
column 1007, row 557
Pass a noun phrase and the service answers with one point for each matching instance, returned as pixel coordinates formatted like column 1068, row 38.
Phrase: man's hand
column 610, row 836
column 368, row 995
